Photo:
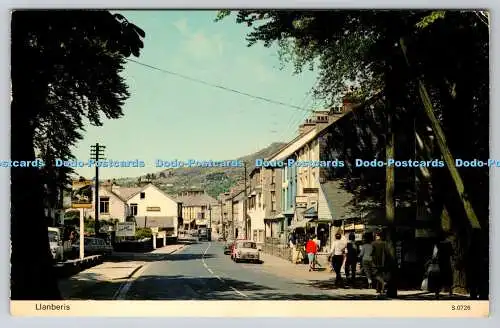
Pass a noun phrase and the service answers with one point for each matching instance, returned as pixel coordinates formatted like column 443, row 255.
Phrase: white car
column 56, row 247
column 245, row 250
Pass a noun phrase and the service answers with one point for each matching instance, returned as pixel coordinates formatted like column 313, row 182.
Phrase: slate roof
column 197, row 200
column 125, row 193
column 338, row 200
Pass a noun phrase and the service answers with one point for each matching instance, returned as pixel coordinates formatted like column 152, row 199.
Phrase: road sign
column 154, row 229
column 81, row 194
column 125, row 229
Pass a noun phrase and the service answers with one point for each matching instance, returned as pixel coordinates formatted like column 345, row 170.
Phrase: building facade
column 198, row 209
column 255, row 229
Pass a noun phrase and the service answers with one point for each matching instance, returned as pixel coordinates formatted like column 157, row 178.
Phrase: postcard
column 250, row 163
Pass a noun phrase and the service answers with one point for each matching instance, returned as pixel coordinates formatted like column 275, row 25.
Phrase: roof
column 338, row 200
column 303, row 139
column 125, row 193
column 239, row 196
column 197, row 200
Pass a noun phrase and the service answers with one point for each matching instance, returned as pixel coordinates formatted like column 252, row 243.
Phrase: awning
column 289, row 212
column 321, row 220
column 311, row 213
column 277, row 217
column 299, row 224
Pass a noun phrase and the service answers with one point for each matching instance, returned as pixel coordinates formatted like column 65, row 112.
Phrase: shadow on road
column 179, row 287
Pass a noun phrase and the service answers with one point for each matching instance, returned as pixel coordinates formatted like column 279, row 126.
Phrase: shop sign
column 349, row 227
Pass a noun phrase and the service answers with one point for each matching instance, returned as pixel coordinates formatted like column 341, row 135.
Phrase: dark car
column 228, row 247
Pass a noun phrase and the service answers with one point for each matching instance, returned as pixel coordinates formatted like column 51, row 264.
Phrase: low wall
column 278, row 250
column 133, row 246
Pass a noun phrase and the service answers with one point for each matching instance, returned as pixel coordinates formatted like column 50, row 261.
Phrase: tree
column 65, row 68
column 448, row 50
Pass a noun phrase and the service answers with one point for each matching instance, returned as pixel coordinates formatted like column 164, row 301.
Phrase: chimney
column 115, row 188
column 347, row 104
column 307, row 126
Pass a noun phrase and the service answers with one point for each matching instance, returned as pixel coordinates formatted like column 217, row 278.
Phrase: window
column 273, row 177
column 133, row 209
column 143, row 195
column 104, row 205
column 273, row 201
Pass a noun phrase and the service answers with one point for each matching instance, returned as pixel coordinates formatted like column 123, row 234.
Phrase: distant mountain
column 213, row 180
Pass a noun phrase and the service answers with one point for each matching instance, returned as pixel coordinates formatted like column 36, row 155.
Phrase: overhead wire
column 222, row 87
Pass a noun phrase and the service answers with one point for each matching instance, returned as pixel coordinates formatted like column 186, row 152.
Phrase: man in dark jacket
column 383, row 261
column 351, row 257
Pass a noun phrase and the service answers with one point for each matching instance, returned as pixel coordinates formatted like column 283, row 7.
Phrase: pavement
column 104, row 281
column 200, row 271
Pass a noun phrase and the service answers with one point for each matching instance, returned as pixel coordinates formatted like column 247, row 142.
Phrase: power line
column 276, row 102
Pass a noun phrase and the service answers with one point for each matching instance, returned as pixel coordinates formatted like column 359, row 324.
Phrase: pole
column 222, row 220
column 97, row 153
column 245, row 202
column 210, row 216
column 82, row 232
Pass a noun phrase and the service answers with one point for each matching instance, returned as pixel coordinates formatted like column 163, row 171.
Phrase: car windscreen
column 248, row 245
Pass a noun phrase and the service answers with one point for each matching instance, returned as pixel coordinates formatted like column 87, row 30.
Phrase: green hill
column 213, row 180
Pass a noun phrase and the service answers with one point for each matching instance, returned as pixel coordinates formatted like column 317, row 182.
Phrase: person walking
column 337, row 254
column 351, row 257
column 379, row 255
column 365, row 258
column 438, row 268
column 311, row 250
column 445, row 254
column 318, row 243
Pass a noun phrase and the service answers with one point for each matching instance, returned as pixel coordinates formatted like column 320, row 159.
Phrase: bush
column 143, row 233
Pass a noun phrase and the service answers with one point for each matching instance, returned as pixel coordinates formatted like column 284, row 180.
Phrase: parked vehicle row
column 93, row 246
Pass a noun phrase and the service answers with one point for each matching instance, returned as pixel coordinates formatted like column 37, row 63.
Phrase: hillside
column 213, row 180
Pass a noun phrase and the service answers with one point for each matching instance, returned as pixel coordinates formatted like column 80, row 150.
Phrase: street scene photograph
column 250, row 155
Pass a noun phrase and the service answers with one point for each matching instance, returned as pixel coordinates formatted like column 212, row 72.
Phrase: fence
column 273, row 246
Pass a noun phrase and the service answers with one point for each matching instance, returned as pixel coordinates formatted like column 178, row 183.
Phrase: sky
column 170, row 118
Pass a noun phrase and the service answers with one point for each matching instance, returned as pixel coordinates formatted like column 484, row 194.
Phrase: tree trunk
column 32, row 273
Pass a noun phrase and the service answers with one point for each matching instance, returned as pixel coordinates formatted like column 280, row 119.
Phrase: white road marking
column 216, row 276
column 122, row 291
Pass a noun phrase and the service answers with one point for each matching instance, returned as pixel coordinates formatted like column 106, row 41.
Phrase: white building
column 256, row 211
column 150, row 207
column 237, row 215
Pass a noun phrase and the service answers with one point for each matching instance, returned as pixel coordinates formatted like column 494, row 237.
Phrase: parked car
column 94, row 246
column 245, row 250
column 202, row 234
column 56, row 245
column 228, row 247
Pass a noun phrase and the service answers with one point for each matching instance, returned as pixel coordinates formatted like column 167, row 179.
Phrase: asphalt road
column 201, row 271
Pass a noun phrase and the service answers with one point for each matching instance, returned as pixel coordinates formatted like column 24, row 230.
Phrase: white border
column 86, row 322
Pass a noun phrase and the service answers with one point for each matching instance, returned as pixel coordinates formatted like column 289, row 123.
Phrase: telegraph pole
column 222, row 219
column 97, row 153
column 210, row 215
column 245, row 202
